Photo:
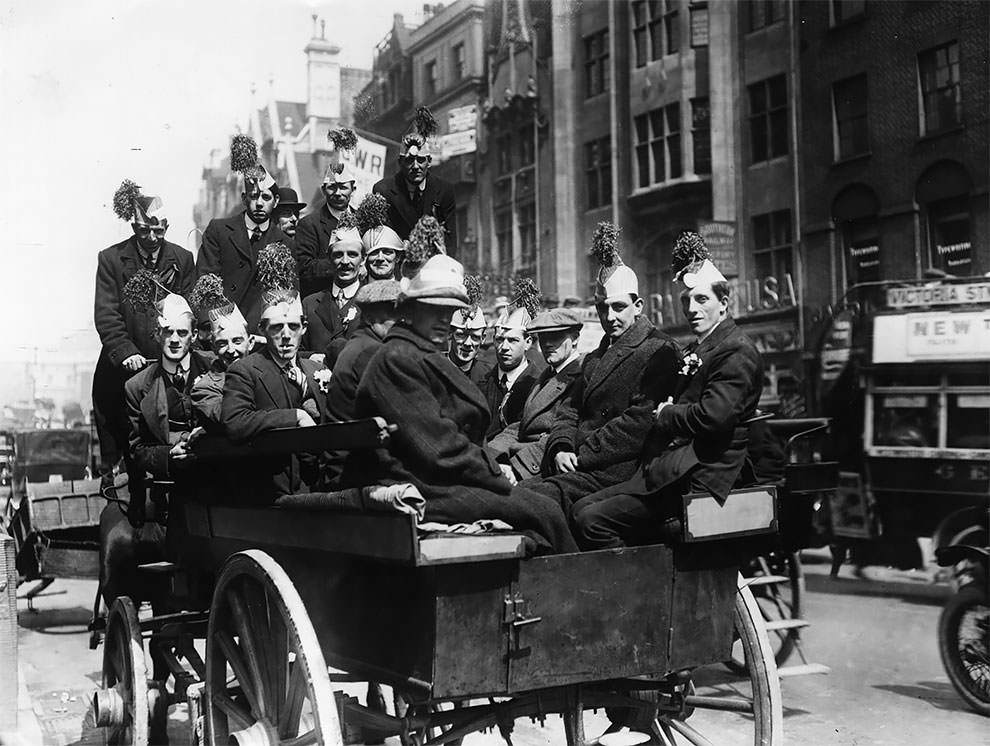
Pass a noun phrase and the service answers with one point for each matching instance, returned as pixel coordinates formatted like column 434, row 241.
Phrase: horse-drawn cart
column 469, row 633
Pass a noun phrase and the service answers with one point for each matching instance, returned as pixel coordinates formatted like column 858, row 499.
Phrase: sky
column 98, row 91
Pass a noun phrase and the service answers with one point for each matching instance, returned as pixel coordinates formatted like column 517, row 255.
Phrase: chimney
column 323, row 75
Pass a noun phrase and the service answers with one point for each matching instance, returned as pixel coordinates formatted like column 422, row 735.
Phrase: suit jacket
column 228, row 252
column 507, row 410
column 479, row 370
column 347, row 372
column 609, row 414
column 437, row 200
column 312, row 242
column 147, row 409
column 257, row 398
column 329, row 326
column 706, row 422
column 123, row 331
column 523, row 443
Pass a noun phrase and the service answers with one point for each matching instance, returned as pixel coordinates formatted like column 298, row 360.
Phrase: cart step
column 805, row 669
column 767, row 580
column 776, row 624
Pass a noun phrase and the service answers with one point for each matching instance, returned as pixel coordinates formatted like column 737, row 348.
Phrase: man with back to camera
column 719, row 383
column 231, row 246
column 127, row 337
column 315, row 231
column 599, row 432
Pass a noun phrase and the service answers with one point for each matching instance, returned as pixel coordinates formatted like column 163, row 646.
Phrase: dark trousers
column 610, row 519
column 110, row 412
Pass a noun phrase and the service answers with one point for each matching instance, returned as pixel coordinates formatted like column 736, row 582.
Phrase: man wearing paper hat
column 127, row 337
column 413, row 192
column 442, row 418
column 287, row 212
column 231, row 246
column 272, row 388
column 514, row 376
column 522, row 444
column 467, row 331
column 720, row 379
column 315, row 231
column 598, row 435
column 382, row 246
column 333, row 313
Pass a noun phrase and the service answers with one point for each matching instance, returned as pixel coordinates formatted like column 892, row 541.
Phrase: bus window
column 906, row 378
column 906, row 420
column 968, row 424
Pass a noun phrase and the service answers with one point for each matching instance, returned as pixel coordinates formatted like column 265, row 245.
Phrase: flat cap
column 554, row 320
column 378, row 291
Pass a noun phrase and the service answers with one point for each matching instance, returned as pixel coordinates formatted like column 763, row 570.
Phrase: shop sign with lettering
column 939, row 295
column 921, row 337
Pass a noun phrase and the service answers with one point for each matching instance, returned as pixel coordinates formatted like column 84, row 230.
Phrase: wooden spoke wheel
column 121, row 706
column 747, row 712
column 266, row 679
column 778, row 587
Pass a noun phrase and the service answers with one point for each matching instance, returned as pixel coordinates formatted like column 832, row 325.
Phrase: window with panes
column 526, row 149
column 503, row 238
column 841, row 11
column 526, row 215
column 763, row 13
column 949, row 235
column 941, row 93
column 851, row 134
column 655, row 30
column 457, row 59
column 598, row 172
column 701, row 135
column 596, row 74
column 658, row 145
column 503, row 154
column 773, row 251
column 768, row 118
column 430, row 78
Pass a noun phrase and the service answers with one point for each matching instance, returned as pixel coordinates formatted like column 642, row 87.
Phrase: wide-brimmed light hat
column 439, row 282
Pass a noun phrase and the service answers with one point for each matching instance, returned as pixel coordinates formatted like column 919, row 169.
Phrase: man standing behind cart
column 127, row 336
column 719, row 383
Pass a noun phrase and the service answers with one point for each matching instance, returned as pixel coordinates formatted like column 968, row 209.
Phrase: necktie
column 296, row 377
column 341, row 300
column 148, row 260
column 255, row 234
column 179, row 380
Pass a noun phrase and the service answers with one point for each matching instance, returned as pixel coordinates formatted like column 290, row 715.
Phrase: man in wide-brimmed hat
column 441, row 418
column 413, row 192
column 231, row 246
column 522, row 444
column 315, row 232
column 704, row 421
column 128, row 337
column 287, row 212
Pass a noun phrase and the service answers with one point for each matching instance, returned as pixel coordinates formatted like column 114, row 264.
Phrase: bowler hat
column 555, row 320
column 288, row 200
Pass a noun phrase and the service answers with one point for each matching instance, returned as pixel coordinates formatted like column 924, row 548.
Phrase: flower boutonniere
column 690, row 364
column 350, row 315
column 323, row 376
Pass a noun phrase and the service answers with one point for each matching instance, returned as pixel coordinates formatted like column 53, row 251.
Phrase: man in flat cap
column 315, row 232
column 522, row 444
column 231, row 246
column 127, row 336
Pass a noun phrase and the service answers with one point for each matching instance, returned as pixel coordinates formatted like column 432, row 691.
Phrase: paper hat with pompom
column 439, row 281
column 424, row 126
column 472, row 317
column 146, row 294
column 691, row 263
column 522, row 309
column 346, row 232
column 134, row 207
column 614, row 277
column 426, row 240
column 371, row 215
column 342, row 140
column 212, row 307
column 244, row 160
column 279, row 282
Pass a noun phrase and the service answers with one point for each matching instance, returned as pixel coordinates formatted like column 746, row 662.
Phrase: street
column 877, row 634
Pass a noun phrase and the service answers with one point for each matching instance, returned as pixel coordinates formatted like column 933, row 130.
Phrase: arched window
column 855, row 211
column 943, row 195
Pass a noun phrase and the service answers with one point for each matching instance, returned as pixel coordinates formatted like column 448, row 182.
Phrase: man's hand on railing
column 303, row 419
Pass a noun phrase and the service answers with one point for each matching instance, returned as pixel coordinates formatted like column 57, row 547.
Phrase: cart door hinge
column 516, row 612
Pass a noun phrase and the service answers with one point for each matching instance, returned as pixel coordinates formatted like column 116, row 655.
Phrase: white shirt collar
column 512, row 375
column 170, row 367
column 349, row 292
column 251, row 225
column 574, row 356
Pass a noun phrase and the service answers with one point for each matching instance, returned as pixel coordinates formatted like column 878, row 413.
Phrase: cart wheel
column 757, row 706
column 121, row 705
column 777, row 583
column 964, row 643
column 266, row 679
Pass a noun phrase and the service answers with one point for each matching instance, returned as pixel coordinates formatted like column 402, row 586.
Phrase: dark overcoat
column 125, row 332
column 439, row 445
column 437, row 200
column 257, row 397
column 329, row 326
column 313, row 234
column 227, row 251
column 347, row 373
column 523, row 443
column 508, row 409
column 609, row 414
